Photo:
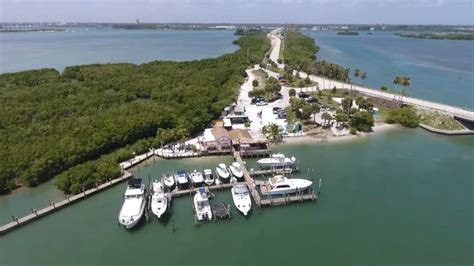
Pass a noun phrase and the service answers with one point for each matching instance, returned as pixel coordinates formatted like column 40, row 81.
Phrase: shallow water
column 32, row 50
column 440, row 70
column 399, row 197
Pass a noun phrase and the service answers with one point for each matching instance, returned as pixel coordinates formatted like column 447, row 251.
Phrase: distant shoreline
column 30, row 30
column 433, row 36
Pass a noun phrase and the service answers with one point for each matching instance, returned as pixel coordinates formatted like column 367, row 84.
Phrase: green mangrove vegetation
column 300, row 53
column 80, row 123
column 439, row 36
column 346, row 32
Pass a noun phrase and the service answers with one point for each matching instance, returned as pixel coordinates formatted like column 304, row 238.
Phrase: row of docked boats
column 222, row 173
column 134, row 204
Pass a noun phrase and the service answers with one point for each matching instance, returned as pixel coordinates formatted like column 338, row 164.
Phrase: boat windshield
column 241, row 190
column 138, row 196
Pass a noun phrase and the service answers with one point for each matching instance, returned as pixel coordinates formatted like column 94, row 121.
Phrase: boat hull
column 242, row 203
column 130, row 223
column 159, row 205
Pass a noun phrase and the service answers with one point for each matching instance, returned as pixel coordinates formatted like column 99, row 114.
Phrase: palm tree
column 405, row 82
column 272, row 132
column 358, row 73
column 326, row 117
column 396, row 81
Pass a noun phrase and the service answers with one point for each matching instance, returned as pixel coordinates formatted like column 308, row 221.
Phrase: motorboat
column 196, row 177
column 134, row 204
column 202, row 207
column 280, row 185
column 159, row 199
column 208, row 177
column 236, row 170
column 181, row 178
column 241, row 197
column 222, row 172
column 169, row 181
column 277, row 160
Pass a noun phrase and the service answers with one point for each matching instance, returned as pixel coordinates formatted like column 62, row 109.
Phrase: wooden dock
column 278, row 171
column 181, row 192
column 36, row 214
column 248, row 180
column 276, row 200
column 53, row 206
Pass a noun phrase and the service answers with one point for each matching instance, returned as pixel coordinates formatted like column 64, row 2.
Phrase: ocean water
column 33, row 50
column 402, row 197
column 440, row 70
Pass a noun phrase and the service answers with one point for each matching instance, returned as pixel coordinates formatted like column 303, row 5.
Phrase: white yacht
column 169, row 181
column 181, row 178
column 277, row 160
column 208, row 177
column 279, row 185
column 222, row 172
column 159, row 200
column 241, row 197
column 202, row 206
column 134, row 204
column 236, row 170
column 196, row 177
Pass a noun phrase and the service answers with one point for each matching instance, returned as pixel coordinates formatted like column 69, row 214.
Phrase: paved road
column 325, row 83
column 276, row 46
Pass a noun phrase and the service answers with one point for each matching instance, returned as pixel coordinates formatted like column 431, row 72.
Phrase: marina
column 183, row 188
column 352, row 203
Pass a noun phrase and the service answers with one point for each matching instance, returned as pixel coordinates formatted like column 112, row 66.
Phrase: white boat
column 277, row 160
column 181, row 178
column 279, row 185
column 236, row 170
column 222, row 172
column 208, row 177
column 241, row 197
column 169, row 181
column 159, row 200
column 134, row 204
column 196, row 177
column 202, row 206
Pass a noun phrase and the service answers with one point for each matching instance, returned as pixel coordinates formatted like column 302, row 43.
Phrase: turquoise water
column 397, row 198
column 440, row 70
column 32, row 50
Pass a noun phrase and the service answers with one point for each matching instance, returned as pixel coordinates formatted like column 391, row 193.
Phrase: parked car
column 282, row 114
column 303, row 95
column 276, row 110
column 261, row 103
column 311, row 99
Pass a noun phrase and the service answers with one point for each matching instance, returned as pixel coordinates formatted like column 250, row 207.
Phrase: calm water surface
column 440, row 70
column 397, row 198
column 32, row 50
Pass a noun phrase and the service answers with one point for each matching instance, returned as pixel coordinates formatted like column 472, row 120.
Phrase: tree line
column 80, row 123
column 300, row 53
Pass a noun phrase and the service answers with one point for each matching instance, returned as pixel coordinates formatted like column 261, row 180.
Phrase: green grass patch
column 439, row 120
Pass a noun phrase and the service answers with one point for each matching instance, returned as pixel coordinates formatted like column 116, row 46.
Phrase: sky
column 241, row 11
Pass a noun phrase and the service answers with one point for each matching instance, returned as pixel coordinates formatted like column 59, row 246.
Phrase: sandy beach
column 327, row 138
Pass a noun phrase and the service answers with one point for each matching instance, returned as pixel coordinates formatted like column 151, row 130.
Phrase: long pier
column 36, row 214
column 54, row 206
